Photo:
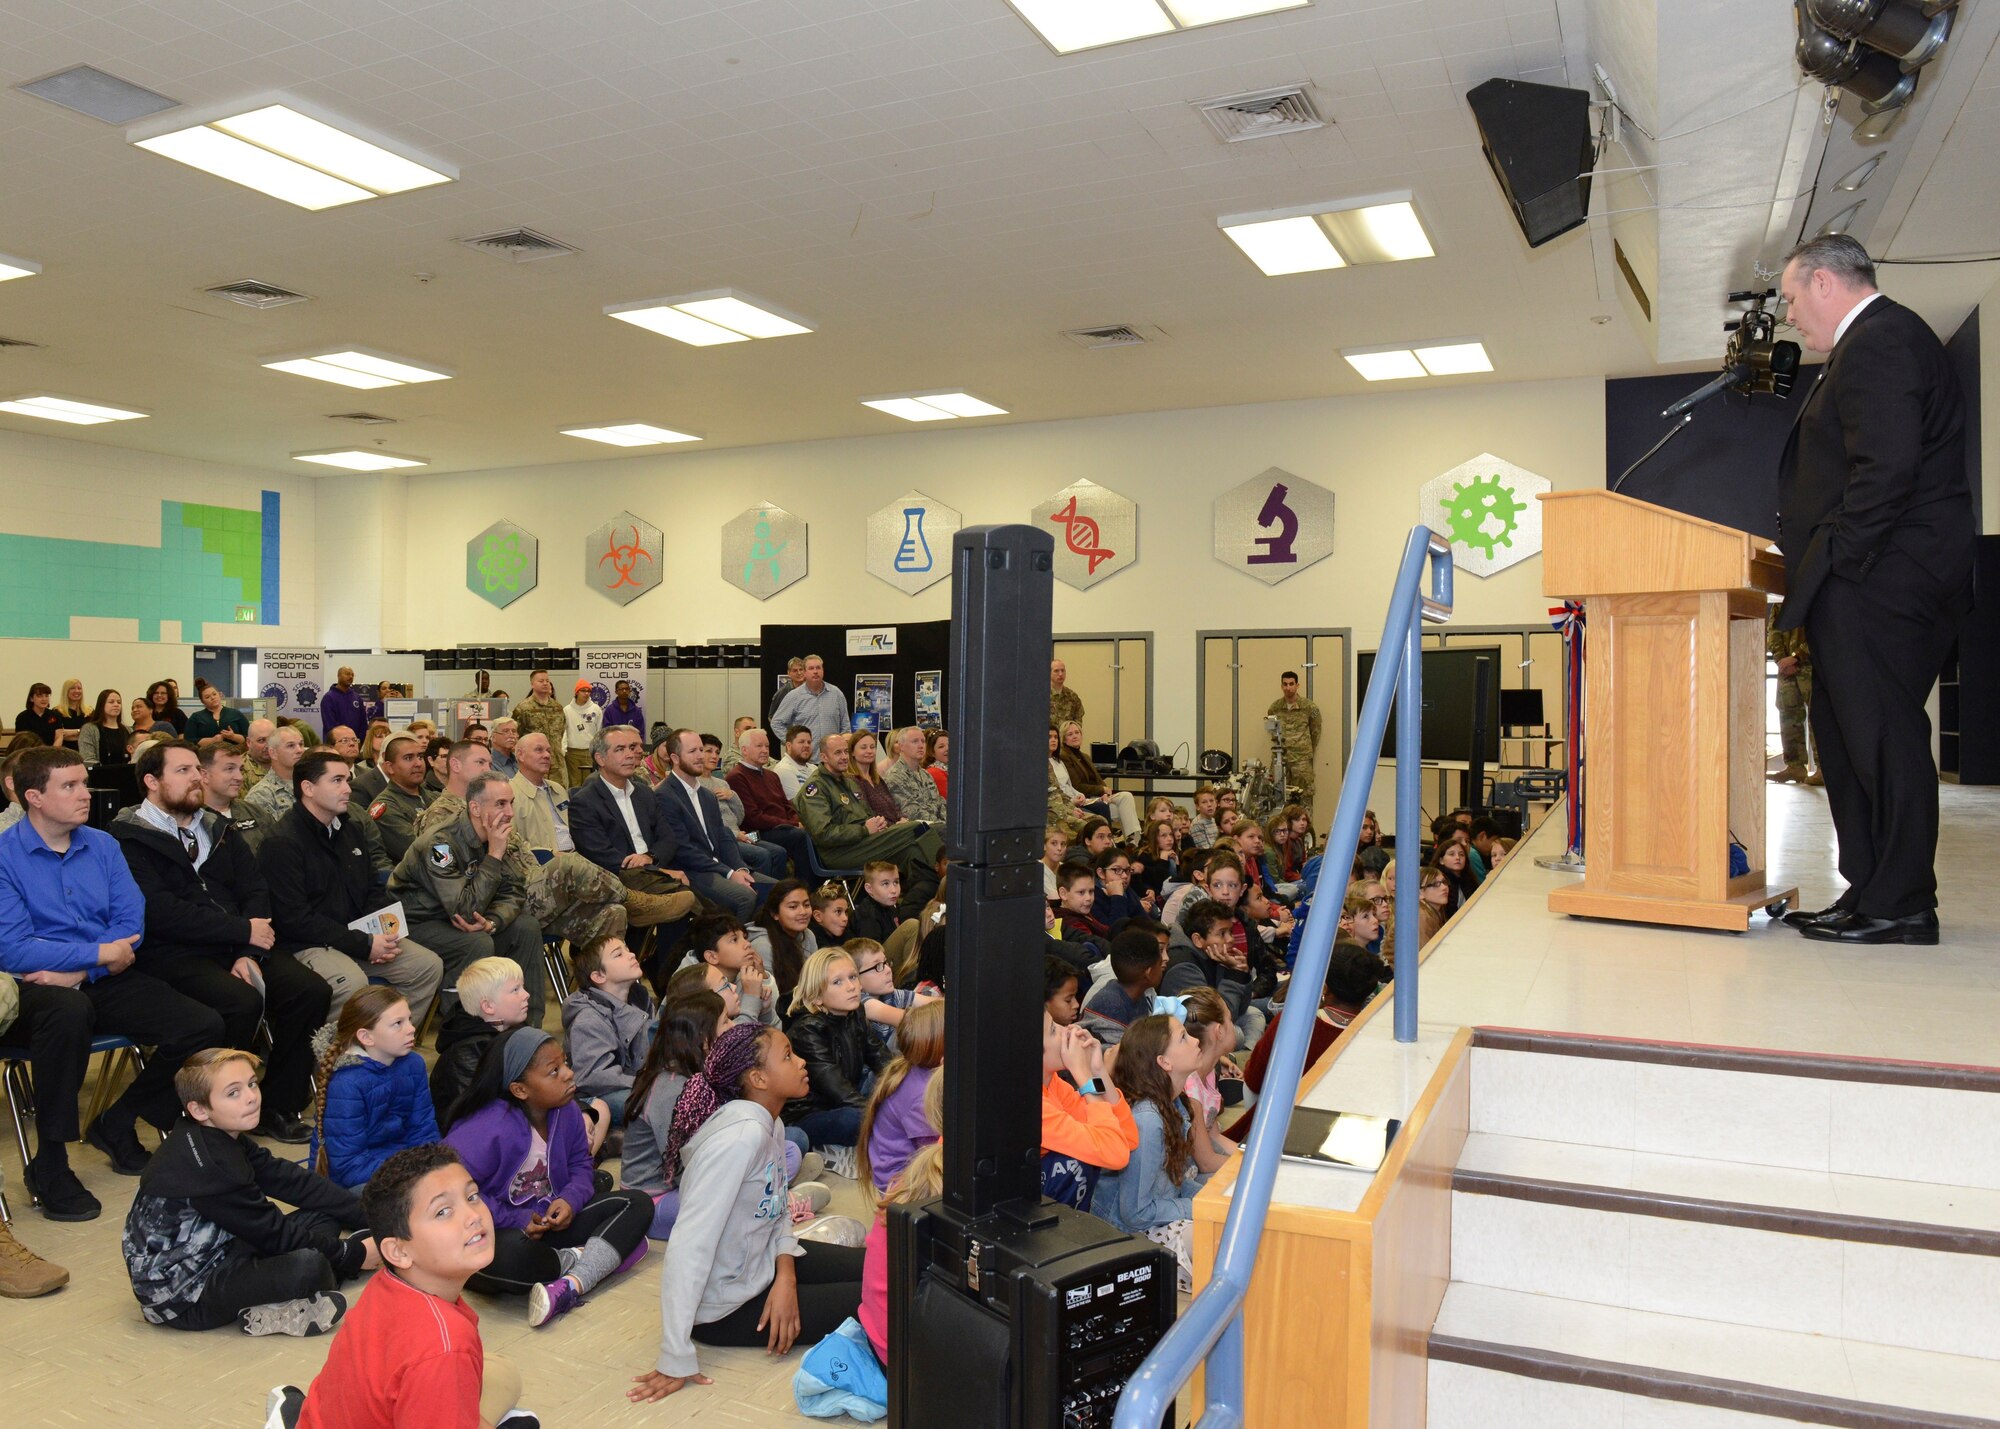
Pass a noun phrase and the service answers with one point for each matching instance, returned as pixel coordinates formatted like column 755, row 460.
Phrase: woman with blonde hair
column 1089, row 783
column 843, row 1058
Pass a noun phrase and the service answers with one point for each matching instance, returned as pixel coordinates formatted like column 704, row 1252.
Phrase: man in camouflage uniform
column 1298, row 734
column 569, row 896
column 1794, row 661
column 916, row 792
column 541, row 712
column 463, row 897
column 836, row 818
column 1064, row 703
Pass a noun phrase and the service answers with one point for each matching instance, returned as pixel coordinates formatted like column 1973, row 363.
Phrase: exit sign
column 246, row 615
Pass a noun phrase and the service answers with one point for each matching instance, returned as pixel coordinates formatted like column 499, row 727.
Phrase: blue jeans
column 614, row 1099
column 839, row 1127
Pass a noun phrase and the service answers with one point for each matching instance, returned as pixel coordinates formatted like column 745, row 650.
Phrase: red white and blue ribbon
column 1568, row 619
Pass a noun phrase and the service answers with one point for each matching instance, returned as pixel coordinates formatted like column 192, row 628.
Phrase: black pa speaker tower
column 1006, row 1311
column 1537, row 138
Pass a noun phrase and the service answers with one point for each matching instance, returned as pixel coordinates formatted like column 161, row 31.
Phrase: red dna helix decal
column 624, row 559
column 1081, row 535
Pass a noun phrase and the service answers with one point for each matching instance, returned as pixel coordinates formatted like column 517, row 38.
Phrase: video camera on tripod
column 1755, row 360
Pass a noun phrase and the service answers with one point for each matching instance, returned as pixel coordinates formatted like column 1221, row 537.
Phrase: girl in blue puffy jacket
column 374, row 1093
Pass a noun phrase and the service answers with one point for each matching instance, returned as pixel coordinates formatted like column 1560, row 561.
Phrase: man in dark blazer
column 1875, row 518
column 618, row 823
column 708, row 854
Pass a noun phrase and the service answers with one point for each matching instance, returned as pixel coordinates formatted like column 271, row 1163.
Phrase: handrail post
column 1409, row 812
column 1212, row 1328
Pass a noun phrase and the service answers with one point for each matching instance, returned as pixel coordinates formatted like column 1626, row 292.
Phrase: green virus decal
column 1483, row 513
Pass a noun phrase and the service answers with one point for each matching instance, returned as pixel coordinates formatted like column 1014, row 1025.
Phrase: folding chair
column 556, row 961
column 21, row 1088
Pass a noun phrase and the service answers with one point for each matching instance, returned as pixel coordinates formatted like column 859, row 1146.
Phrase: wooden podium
column 1673, row 740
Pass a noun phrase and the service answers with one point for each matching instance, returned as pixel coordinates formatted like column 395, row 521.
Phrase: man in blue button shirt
column 71, row 919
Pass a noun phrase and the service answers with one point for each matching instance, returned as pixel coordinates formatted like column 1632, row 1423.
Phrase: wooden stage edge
column 1730, row 915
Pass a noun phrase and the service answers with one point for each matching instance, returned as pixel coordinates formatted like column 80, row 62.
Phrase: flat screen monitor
column 1446, row 734
column 1521, row 707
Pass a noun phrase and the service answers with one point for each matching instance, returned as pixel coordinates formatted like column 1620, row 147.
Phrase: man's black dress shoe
column 1919, row 928
column 1800, row 918
column 278, row 1126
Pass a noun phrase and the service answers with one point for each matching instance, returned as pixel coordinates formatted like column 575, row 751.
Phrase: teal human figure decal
column 763, row 552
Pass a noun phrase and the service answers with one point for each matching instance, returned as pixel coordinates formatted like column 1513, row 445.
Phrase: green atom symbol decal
column 1483, row 513
column 501, row 563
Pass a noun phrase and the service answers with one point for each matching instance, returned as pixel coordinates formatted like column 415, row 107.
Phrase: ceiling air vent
column 254, row 294
column 362, row 419
column 521, row 245
column 1237, row 117
column 89, row 90
column 1117, row 335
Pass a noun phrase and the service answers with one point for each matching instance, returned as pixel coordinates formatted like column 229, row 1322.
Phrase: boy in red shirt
column 408, row 1353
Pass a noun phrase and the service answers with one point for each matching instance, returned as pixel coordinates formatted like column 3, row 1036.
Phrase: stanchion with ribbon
column 1567, row 618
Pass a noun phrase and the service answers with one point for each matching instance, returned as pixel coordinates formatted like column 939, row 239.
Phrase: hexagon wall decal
column 909, row 541
column 1273, row 526
column 1096, row 531
column 621, row 558
column 502, row 563
column 764, row 550
column 1486, row 508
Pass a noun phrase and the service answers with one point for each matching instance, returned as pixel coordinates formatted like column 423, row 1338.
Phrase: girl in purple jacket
column 518, row 1131
column 894, row 1128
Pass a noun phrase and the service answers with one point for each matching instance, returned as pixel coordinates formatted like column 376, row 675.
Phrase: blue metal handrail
column 1212, row 1328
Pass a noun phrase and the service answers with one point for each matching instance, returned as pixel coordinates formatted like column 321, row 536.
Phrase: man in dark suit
column 1875, row 517
column 708, row 854
column 618, row 823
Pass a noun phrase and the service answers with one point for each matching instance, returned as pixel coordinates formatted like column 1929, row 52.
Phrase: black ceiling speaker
column 1537, row 138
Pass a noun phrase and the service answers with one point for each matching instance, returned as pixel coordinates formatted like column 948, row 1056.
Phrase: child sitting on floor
column 1076, row 894
column 411, row 1352
column 203, row 1242
column 608, row 1022
column 893, row 1127
column 1086, row 1127
column 492, row 997
column 373, row 1097
column 1153, row 1194
column 1137, row 965
column 1061, row 985
column 1215, row 1081
column 735, row 1274
column 921, row 1180
column 884, row 1003
column 521, row 1135
column 719, row 941
column 843, row 1058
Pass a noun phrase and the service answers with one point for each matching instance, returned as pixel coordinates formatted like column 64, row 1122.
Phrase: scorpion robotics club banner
column 294, row 678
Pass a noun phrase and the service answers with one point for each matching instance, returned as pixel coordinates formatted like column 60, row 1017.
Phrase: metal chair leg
column 15, row 1076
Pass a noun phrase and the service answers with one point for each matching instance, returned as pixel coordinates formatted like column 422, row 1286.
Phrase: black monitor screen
column 1447, row 726
column 1519, row 707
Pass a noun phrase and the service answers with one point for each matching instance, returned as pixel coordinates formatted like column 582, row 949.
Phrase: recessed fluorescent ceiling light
column 1071, row 25
column 351, row 368
column 934, row 406
column 1281, row 243
column 1452, row 359
column 707, row 319
column 1285, row 245
column 1385, row 366
column 17, row 267
column 1438, row 359
column 281, row 152
column 354, row 459
column 66, row 409
column 630, row 434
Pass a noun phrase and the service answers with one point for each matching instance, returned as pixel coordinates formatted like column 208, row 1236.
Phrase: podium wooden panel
column 1673, row 741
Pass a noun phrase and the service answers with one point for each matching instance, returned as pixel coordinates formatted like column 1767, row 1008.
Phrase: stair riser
column 1465, row 1397
column 1883, row 1293
column 1858, row 1128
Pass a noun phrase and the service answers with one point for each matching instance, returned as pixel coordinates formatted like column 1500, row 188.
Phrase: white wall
column 1372, row 451
column 56, row 487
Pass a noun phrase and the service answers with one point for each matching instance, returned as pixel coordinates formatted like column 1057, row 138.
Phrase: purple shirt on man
column 339, row 707
column 632, row 714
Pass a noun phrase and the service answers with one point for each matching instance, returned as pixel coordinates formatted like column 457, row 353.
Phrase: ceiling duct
column 252, row 293
column 1263, row 114
column 1117, row 335
column 519, row 245
column 362, row 419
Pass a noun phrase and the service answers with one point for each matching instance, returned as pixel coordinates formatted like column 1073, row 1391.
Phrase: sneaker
column 601, row 1182
column 119, row 1141
column 23, row 1274
column 520, row 1419
column 62, row 1196
column 839, row 1160
column 547, row 1302
column 283, row 1406
column 812, row 1166
column 314, row 1315
column 809, row 1198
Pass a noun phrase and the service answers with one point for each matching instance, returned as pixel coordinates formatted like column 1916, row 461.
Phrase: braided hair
column 363, row 1010
column 720, row 1080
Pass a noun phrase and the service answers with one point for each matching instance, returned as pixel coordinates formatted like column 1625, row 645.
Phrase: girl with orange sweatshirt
column 1087, row 1128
